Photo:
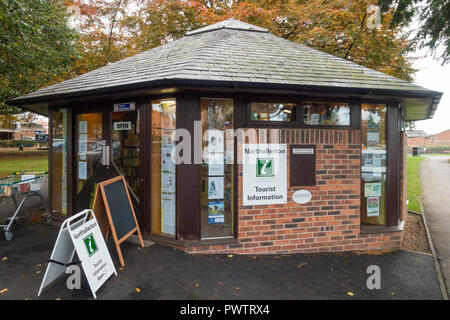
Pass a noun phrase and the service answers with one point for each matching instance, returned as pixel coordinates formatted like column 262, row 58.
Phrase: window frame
column 274, row 124
column 355, row 114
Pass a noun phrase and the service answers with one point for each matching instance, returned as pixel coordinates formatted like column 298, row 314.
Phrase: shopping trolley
column 30, row 185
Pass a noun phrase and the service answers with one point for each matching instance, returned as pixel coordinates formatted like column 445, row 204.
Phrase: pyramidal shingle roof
column 232, row 51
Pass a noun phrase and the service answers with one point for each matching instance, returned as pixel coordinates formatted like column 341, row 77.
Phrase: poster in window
column 367, row 159
column 216, row 164
column 215, row 141
column 372, row 189
column 83, row 127
column 373, row 206
column 82, row 170
column 314, row 119
column 216, row 212
column 215, row 188
column 373, row 138
column 168, row 212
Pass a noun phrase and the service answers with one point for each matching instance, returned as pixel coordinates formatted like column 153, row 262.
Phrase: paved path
column 163, row 273
column 435, row 179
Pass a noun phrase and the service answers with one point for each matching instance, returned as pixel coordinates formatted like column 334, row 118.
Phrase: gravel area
column 415, row 237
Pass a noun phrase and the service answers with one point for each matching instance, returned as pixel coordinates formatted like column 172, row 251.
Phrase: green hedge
column 16, row 143
column 434, row 150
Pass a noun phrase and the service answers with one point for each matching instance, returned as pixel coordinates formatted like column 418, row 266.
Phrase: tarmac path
column 435, row 180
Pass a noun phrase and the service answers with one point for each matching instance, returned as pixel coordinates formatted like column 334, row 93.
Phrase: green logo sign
column 90, row 244
column 264, row 167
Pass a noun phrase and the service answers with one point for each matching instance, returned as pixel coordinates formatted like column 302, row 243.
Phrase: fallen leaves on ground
column 3, row 291
column 301, row 265
column 351, row 294
column 138, row 290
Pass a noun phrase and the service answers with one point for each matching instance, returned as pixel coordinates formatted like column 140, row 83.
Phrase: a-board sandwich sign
column 115, row 212
column 264, row 174
column 81, row 234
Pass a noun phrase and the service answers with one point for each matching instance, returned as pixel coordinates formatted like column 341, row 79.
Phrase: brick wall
column 441, row 139
column 329, row 222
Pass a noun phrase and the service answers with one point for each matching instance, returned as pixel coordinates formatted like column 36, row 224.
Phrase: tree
column 338, row 27
column 36, row 47
column 433, row 16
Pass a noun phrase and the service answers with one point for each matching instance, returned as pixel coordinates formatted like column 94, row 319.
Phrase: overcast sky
column 432, row 75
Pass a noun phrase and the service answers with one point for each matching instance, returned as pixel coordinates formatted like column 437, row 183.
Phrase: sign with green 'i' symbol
column 264, row 167
column 90, row 244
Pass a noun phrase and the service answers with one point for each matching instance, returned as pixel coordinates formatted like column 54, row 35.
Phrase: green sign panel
column 264, row 167
column 90, row 244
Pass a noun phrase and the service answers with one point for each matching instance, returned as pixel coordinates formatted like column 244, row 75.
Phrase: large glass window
column 374, row 160
column 280, row 112
column 59, row 161
column 163, row 168
column 217, row 168
column 326, row 114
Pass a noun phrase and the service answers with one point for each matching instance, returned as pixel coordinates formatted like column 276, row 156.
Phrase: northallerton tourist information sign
column 81, row 234
column 264, row 174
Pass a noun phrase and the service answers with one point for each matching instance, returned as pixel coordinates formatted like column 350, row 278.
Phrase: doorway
column 89, row 141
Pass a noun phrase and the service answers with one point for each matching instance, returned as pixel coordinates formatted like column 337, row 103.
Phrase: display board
column 81, row 234
column 264, row 174
column 112, row 198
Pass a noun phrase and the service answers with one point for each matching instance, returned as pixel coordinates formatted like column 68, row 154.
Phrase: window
column 279, row 112
column 373, row 166
column 217, row 168
column 326, row 114
column 163, row 168
column 59, row 161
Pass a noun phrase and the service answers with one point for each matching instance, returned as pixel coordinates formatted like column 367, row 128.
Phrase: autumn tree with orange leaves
column 114, row 29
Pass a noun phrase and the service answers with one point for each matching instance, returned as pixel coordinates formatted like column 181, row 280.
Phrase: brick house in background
column 419, row 138
column 29, row 130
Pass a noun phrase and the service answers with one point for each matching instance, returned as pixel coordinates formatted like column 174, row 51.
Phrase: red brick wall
column 437, row 140
column 329, row 222
column 418, row 142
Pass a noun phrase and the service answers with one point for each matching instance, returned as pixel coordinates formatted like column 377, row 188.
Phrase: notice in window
column 82, row 170
column 373, row 138
column 372, row 189
column 216, row 212
column 373, row 206
column 215, row 188
column 83, row 127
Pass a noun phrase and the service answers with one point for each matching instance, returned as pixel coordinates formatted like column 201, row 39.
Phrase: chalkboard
column 120, row 208
column 114, row 212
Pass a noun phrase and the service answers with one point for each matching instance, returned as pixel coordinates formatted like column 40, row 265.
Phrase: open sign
column 126, row 125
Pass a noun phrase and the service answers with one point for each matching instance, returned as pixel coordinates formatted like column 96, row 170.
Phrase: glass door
column 89, row 141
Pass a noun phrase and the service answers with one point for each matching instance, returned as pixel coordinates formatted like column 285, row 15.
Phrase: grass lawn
column 12, row 160
column 414, row 190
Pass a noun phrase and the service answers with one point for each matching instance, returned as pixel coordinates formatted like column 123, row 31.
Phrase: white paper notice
column 83, row 127
column 82, row 170
column 82, row 143
column 215, row 188
column 216, row 164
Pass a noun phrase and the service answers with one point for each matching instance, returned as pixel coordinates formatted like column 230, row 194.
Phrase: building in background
column 434, row 143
